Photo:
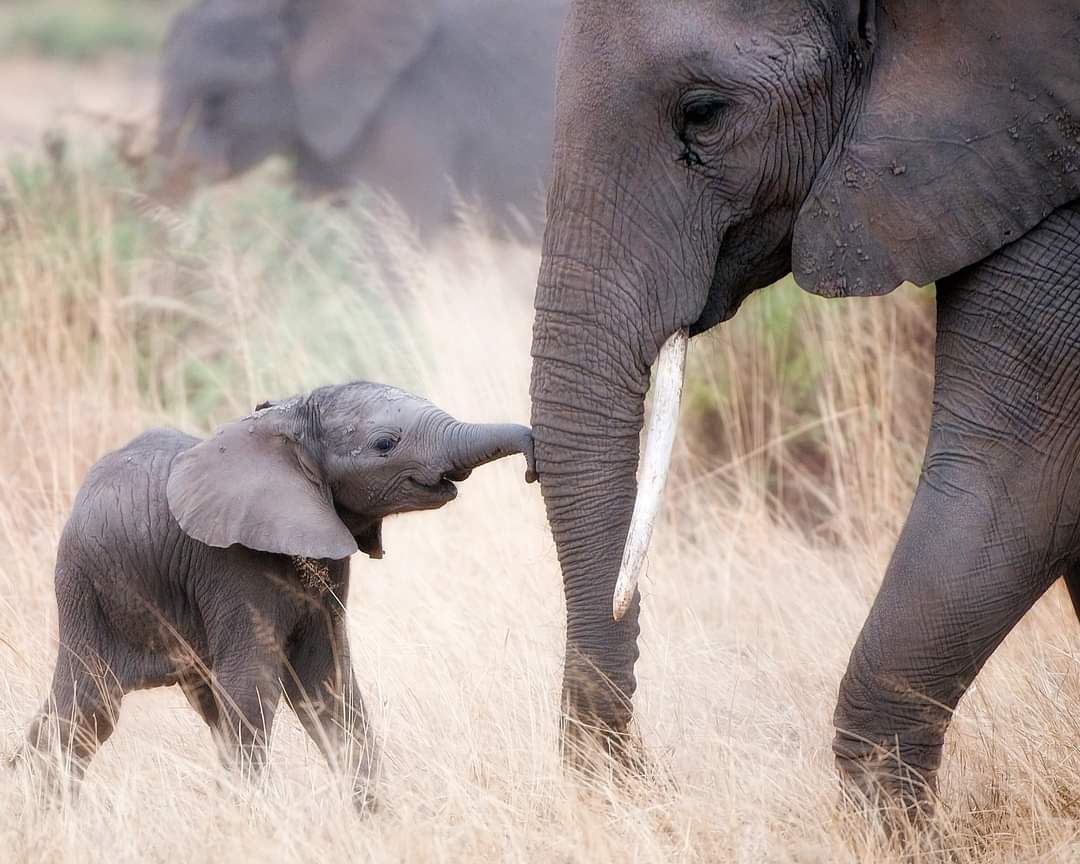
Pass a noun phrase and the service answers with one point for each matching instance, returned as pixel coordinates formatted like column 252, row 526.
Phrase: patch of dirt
column 39, row 96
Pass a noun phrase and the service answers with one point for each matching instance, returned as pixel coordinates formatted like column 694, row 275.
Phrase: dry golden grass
column 749, row 613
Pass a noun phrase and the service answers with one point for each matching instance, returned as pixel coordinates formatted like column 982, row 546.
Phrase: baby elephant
column 223, row 566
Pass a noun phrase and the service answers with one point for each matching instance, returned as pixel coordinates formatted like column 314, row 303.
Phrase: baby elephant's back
column 121, row 537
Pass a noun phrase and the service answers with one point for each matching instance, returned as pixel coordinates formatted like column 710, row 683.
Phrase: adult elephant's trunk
column 476, row 444
column 596, row 333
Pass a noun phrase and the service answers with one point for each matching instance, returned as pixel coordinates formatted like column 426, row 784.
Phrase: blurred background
column 184, row 235
column 84, row 68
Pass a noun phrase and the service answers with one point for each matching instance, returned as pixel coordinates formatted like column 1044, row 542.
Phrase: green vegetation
column 249, row 260
column 86, row 30
column 772, row 396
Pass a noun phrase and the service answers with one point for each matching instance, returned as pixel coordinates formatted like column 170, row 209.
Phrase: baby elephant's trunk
column 476, row 444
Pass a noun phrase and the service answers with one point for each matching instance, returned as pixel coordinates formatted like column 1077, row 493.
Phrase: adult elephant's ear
column 254, row 483
column 345, row 56
column 964, row 134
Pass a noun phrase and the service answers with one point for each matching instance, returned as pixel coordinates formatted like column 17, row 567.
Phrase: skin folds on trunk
column 588, row 399
column 476, row 444
column 608, row 296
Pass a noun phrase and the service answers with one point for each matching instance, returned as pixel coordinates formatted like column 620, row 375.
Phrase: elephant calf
column 223, row 566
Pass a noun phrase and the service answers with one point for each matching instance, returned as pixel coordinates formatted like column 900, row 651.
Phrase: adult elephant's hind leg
column 995, row 516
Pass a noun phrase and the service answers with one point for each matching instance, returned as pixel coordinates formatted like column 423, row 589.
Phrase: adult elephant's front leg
column 994, row 519
column 962, row 575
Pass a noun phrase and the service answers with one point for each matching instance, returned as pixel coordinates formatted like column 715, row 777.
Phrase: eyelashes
column 689, row 158
column 699, row 123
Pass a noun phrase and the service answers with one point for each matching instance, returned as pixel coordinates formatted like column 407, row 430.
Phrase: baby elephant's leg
column 199, row 690
column 321, row 687
column 246, row 689
column 248, row 695
column 79, row 716
column 87, row 687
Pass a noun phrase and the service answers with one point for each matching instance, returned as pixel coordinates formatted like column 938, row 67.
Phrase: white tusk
column 659, row 441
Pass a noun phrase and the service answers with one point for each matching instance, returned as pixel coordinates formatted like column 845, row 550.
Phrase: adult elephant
column 705, row 149
column 426, row 100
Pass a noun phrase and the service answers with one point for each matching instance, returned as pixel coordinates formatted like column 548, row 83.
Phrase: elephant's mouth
column 433, row 495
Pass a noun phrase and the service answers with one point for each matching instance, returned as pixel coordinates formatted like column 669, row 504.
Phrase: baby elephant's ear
column 253, row 483
column 370, row 540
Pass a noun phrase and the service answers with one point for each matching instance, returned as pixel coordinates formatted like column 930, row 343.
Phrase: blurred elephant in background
column 431, row 101
column 704, row 149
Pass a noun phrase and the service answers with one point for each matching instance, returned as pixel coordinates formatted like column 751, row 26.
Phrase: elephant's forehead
column 220, row 48
column 645, row 42
column 659, row 33
column 393, row 404
column 395, row 394
column 615, row 63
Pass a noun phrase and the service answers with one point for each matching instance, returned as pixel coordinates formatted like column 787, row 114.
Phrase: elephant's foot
column 610, row 758
column 595, row 733
column 590, row 746
column 893, row 784
column 365, row 801
column 49, row 780
column 610, row 753
column 889, row 741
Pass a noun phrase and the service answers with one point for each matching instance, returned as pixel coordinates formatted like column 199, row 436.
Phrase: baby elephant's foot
column 365, row 796
column 365, row 801
column 44, row 774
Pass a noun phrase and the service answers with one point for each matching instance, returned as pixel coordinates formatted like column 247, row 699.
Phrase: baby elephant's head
column 315, row 475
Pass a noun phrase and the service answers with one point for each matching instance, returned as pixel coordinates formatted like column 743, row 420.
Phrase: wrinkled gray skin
column 421, row 99
column 705, row 149
column 223, row 566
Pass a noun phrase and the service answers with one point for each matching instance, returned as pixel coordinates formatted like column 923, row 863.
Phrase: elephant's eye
column 213, row 108
column 698, row 124
column 702, row 112
column 384, row 444
column 700, row 119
